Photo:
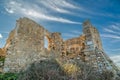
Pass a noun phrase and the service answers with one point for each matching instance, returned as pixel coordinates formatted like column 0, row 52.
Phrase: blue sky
column 66, row 16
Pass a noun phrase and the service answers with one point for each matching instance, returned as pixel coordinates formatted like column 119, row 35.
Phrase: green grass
column 8, row 76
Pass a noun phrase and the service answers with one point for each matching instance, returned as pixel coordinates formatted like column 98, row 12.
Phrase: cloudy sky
column 66, row 16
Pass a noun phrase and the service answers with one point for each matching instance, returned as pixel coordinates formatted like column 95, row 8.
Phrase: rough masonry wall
column 57, row 41
column 2, row 52
column 24, row 45
column 74, row 47
column 92, row 36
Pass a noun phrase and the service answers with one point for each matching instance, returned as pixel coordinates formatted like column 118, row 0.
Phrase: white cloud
column 115, row 41
column 115, row 49
column 59, row 3
column 54, row 6
column 9, row 10
column 35, row 11
column 116, row 59
column 110, row 36
column 1, row 36
column 108, row 30
column 111, row 31
column 4, row 32
column 69, row 5
column 69, row 35
column 39, row 15
column 115, row 27
column 76, row 32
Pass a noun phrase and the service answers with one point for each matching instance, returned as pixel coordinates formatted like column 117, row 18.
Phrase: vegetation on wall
column 55, row 68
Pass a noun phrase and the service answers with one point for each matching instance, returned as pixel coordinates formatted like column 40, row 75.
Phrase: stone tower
column 92, row 36
column 94, row 52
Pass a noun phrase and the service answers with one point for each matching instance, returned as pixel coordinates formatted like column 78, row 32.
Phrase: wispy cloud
column 76, row 32
column 112, row 32
column 116, row 59
column 116, row 49
column 116, row 26
column 110, row 36
column 6, row 32
column 60, row 3
column 35, row 14
column 61, row 6
column 115, row 41
column 33, row 10
column 69, row 35
column 1, row 36
column 51, row 8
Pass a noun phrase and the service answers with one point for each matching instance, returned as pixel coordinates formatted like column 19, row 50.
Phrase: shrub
column 43, row 70
column 8, row 76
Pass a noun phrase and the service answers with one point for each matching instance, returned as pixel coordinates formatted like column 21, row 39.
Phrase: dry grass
column 60, row 69
column 70, row 68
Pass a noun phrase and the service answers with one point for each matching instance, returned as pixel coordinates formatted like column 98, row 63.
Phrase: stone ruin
column 25, row 45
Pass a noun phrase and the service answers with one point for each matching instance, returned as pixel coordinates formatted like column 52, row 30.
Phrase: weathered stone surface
column 74, row 47
column 25, row 45
column 92, row 36
column 2, row 52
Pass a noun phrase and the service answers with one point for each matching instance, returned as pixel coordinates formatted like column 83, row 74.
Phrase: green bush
column 8, row 76
column 2, row 59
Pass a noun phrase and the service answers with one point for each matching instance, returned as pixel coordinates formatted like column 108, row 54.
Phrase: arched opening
column 45, row 42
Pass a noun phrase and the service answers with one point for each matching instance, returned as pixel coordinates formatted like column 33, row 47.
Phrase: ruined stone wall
column 57, row 41
column 54, row 41
column 92, row 43
column 92, row 36
column 47, row 35
column 2, row 52
column 75, row 46
column 97, row 39
column 24, row 45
